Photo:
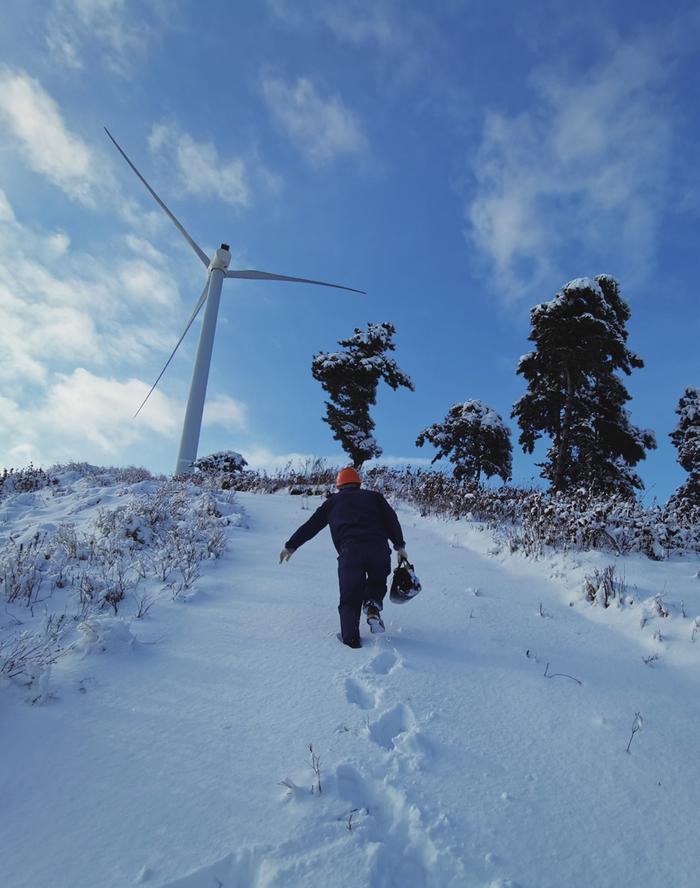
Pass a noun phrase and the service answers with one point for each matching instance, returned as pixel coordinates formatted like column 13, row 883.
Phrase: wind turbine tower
column 217, row 269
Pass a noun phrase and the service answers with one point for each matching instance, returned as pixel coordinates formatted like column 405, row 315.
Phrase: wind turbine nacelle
column 221, row 258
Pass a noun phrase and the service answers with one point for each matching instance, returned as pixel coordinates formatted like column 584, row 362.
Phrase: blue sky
column 459, row 164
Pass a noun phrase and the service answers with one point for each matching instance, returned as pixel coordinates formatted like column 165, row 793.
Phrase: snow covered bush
column 313, row 477
column 474, row 438
column 528, row 520
column 310, row 477
column 101, row 476
column 24, row 480
column 29, row 653
column 21, row 572
column 175, row 527
column 531, row 520
column 101, row 634
column 129, row 542
column 225, row 466
column 604, row 586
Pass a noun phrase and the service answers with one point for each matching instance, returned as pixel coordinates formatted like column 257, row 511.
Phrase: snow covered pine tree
column 574, row 395
column 686, row 439
column 351, row 378
column 475, row 439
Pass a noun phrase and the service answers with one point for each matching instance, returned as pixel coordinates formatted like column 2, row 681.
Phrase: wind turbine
column 217, row 270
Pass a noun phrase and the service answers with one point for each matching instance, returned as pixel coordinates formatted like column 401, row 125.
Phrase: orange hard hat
column 347, row 476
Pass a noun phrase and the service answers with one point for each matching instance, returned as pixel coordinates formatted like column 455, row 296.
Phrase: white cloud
column 106, row 320
column 406, row 45
column 133, row 213
column 117, row 28
column 80, row 411
column 79, row 329
column 321, row 128
column 88, row 313
column 585, row 169
column 49, row 148
column 139, row 279
column 145, row 249
column 359, row 23
column 352, row 21
column 7, row 214
column 57, row 244
column 22, row 455
column 200, row 169
column 10, row 412
column 80, row 344
column 101, row 410
column 18, row 360
column 225, row 412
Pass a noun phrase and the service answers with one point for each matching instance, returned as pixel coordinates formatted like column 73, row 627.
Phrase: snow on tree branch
column 350, row 378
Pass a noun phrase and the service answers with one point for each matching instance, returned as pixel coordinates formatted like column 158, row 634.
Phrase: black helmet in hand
column 405, row 585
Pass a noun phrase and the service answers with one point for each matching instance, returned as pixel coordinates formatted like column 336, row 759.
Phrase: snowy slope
column 447, row 758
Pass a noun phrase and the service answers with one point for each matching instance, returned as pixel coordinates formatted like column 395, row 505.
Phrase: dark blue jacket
column 354, row 515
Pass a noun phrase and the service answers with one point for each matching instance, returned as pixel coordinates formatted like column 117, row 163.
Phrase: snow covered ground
column 480, row 742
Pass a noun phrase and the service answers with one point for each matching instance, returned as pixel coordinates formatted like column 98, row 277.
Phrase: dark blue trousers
column 362, row 571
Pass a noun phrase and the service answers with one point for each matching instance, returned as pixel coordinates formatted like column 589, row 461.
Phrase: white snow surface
column 447, row 756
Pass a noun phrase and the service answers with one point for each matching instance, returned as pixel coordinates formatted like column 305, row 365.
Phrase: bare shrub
column 187, row 560
column 144, row 602
column 25, row 654
column 696, row 628
column 17, row 653
column 659, row 607
column 66, row 539
column 20, row 570
column 603, row 587
column 123, row 580
column 315, row 763
column 637, row 726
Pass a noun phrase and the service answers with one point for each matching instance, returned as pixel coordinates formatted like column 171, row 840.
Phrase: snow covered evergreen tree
column 686, row 439
column 575, row 395
column 475, row 439
column 227, row 462
column 351, row 378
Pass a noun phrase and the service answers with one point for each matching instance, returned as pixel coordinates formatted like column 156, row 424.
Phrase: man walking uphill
column 361, row 521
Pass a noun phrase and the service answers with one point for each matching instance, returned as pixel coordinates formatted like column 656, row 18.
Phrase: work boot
column 374, row 618
column 353, row 642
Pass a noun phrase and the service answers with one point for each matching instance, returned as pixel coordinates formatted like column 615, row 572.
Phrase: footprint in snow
column 352, row 787
column 399, row 849
column 358, row 693
column 390, row 725
column 239, row 868
column 384, row 663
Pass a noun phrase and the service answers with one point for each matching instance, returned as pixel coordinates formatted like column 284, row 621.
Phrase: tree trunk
column 563, row 450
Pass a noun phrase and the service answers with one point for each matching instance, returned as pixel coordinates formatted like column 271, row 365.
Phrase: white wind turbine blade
column 180, row 227
column 267, row 276
column 195, row 312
